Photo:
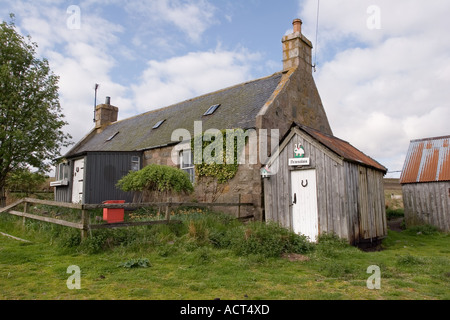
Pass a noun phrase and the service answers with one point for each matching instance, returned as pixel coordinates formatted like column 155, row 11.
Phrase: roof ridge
column 336, row 149
column 199, row 97
column 432, row 138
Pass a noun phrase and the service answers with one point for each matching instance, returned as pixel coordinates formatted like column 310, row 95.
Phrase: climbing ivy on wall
column 213, row 159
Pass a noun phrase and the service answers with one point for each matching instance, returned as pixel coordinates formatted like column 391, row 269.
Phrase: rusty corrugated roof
column 427, row 160
column 342, row 148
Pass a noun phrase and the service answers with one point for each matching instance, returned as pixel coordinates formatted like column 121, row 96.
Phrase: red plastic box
column 113, row 215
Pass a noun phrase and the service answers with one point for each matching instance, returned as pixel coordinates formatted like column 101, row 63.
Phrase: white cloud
column 180, row 78
column 192, row 17
column 81, row 57
column 85, row 56
column 383, row 87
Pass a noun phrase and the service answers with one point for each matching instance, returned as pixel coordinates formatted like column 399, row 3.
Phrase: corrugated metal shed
column 427, row 160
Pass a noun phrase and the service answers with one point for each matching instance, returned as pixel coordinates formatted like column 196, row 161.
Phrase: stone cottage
column 90, row 170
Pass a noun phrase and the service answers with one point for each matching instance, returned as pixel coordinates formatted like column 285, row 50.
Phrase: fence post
column 85, row 223
column 25, row 210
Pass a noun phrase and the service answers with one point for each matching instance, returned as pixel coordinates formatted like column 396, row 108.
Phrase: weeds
column 214, row 255
column 409, row 260
column 136, row 263
column 394, row 213
column 423, row 230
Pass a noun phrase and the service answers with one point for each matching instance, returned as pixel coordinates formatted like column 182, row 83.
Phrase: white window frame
column 62, row 174
column 135, row 163
column 188, row 167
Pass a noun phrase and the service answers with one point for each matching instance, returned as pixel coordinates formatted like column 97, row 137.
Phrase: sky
column 382, row 66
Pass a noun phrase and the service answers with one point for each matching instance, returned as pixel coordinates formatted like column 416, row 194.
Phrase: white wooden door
column 304, row 203
column 78, row 181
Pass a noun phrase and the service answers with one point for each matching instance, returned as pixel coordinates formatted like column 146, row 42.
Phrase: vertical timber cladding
column 371, row 212
column 103, row 171
column 350, row 195
column 64, row 193
column 427, row 203
column 330, row 176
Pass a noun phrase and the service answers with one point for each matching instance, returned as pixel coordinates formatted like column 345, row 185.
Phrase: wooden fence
column 84, row 225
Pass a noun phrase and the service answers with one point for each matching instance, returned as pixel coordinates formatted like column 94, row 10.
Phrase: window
column 212, row 109
column 187, row 163
column 61, row 175
column 135, row 163
column 158, row 124
column 63, row 172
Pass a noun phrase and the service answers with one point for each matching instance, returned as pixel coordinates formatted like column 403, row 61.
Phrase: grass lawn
column 197, row 261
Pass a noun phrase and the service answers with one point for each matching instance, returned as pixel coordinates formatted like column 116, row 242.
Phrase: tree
column 24, row 180
column 31, row 120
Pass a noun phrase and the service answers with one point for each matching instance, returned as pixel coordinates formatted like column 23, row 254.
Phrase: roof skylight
column 158, row 124
column 211, row 110
column 113, row 136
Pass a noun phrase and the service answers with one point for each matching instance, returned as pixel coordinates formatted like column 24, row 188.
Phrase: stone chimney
column 297, row 49
column 105, row 114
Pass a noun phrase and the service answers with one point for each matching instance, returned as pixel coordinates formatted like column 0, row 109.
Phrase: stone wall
column 296, row 100
column 247, row 183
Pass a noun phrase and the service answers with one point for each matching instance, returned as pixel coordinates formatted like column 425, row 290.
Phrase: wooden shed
column 425, row 183
column 316, row 183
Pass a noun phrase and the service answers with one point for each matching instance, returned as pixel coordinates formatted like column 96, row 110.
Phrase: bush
column 156, row 178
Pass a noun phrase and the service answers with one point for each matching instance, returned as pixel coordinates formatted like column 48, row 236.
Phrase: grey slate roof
column 240, row 105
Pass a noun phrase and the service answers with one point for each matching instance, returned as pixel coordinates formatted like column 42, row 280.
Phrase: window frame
column 211, row 110
column 190, row 167
column 159, row 124
column 62, row 174
column 133, row 162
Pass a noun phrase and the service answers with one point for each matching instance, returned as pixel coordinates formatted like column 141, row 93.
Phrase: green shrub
column 156, row 178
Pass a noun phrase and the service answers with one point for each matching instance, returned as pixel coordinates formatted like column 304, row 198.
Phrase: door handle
column 295, row 198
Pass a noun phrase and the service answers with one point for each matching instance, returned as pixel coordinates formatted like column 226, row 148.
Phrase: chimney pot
column 297, row 25
column 105, row 114
column 297, row 49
